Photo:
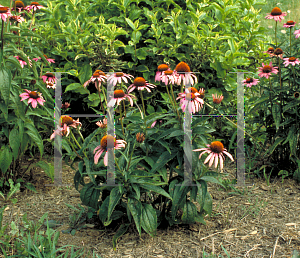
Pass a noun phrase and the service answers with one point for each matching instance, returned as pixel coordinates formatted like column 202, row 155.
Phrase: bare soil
column 263, row 221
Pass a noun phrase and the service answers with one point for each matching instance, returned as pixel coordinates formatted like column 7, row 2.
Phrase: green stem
column 290, row 41
column 2, row 38
column 175, row 103
column 75, row 139
column 279, row 79
column 131, row 155
column 270, row 95
column 276, row 34
column 124, row 108
column 170, row 98
column 121, row 119
column 74, row 148
column 80, row 134
column 32, row 21
column 104, row 95
column 143, row 104
column 99, row 90
column 294, row 76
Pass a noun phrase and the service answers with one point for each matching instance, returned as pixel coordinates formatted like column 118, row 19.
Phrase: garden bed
column 253, row 224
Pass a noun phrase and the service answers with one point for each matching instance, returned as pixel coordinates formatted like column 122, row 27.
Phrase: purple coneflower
column 98, row 76
column 63, row 131
column 250, row 82
column 292, row 60
column 216, row 151
column 276, row 14
column 4, row 13
column 169, row 77
column 50, row 60
column 120, row 95
column 118, row 144
column 270, row 51
column 22, row 62
column 16, row 18
column 33, row 98
column 66, row 105
column 50, row 77
column 102, row 124
column 118, row 77
column 69, row 121
column 289, row 24
column 141, row 84
column 160, row 69
column 266, row 70
column 51, row 84
column 278, row 53
column 19, row 6
column 184, row 74
column 297, row 33
column 34, row 6
column 217, row 100
column 191, row 97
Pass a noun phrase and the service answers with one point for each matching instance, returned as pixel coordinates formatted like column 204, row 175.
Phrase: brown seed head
column 276, row 11
column 271, row 50
column 119, row 74
column 290, row 22
column 296, row 95
column 190, row 96
column 66, row 120
column 193, row 90
column 19, row 4
column 3, row 9
column 162, row 67
column 216, row 147
column 34, row 95
column 96, row 74
column 139, row 81
column 278, row 51
column 32, row 82
column 140, row 137
column 168, row 72
column 34, row 3
column 110, row 140
column 267, row 69
column 249, row 80
column 119, row 94
column 292, row 59
column 182, row 67
column 49, row 74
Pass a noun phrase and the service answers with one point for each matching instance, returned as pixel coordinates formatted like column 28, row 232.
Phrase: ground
column 262, row 222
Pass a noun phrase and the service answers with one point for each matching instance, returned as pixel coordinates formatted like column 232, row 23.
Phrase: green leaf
column 5, row 84
column 135, row 208
column 189, row 213
column 179, row 194
column 5, row 159
column 89, row 195
column 88, row 170
column 14, row 61
column 35, row 136
column 162, row 160
column 121, row 231
column 276, row 143
column 31, row 187
column 114, row 198
column 156, row 189
column 149, row 219
column 85, row 73
column 130, row 23
column 104, row 209
column 208, row 203
column 276, row 115
column 14, row 141
column 73, row 86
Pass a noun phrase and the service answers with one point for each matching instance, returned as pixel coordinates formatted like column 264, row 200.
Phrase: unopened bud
column 140, row 137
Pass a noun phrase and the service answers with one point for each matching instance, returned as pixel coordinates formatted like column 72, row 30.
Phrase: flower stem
column 279, row 74
column 74, row 149
column 124, row 108
column 294, row 76
column 175, row 103
column 120, row 109
column 143, row 103
column 270, row 95
column 276, row 34
column 75, row 139
column 131, row 155
column 80, row 134
column 99, row 90
column 290, row 41
column 170, row 98
column 104, row 94
column 2, row 38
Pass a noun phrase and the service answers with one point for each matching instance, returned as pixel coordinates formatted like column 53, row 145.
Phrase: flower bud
column 140, row 137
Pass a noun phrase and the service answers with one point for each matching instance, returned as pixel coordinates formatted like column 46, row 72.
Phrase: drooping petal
column 208, row 157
